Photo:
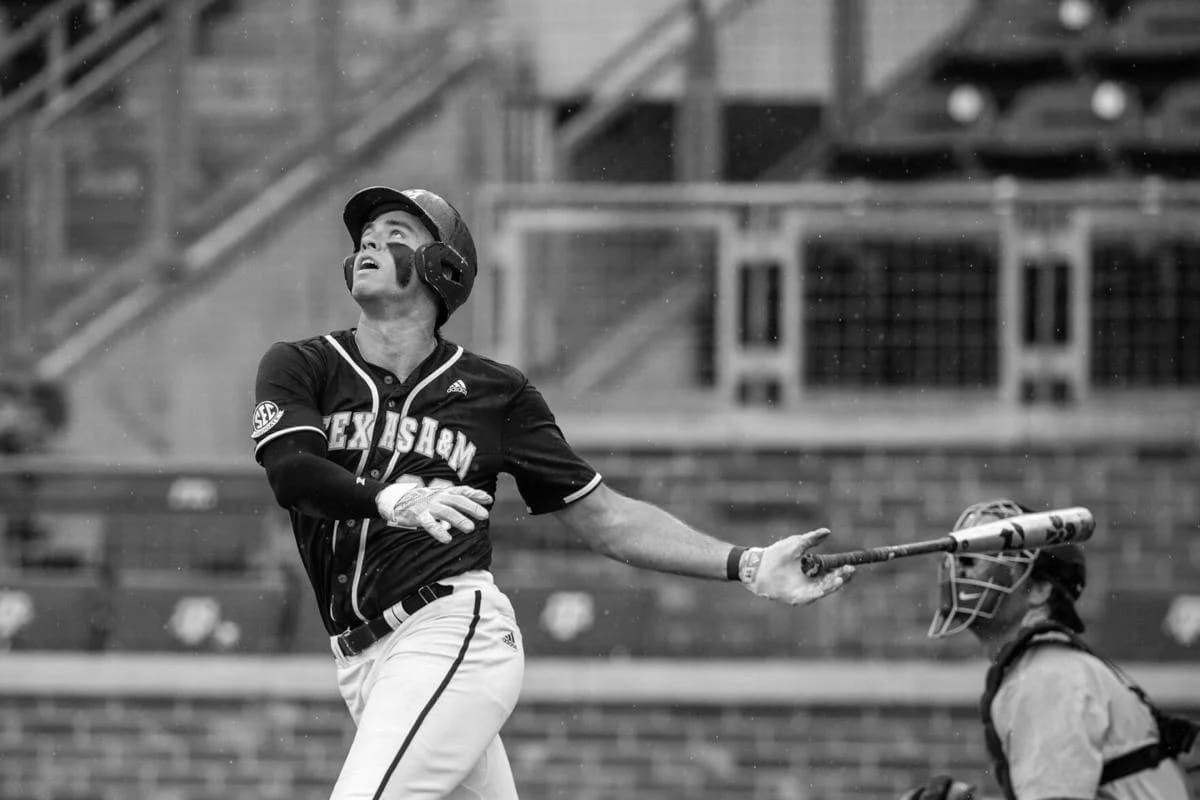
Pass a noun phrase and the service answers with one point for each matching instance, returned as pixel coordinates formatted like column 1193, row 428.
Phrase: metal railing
column 44, row 42
column 1072, row 300
column 616, row 81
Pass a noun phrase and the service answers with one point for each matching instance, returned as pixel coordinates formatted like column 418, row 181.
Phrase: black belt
column 356, row 640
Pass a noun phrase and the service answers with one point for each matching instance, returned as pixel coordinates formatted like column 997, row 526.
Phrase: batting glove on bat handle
column 777, row 572
column 433, row 509
column 815, row 564
column 812, row 564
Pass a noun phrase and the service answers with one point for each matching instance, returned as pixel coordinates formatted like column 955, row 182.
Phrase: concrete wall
column 676, row 688
column 775, row 49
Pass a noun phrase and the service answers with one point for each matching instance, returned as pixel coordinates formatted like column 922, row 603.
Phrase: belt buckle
column 425, row 594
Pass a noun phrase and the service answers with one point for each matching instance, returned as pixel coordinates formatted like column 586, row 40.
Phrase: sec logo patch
column 266, row 415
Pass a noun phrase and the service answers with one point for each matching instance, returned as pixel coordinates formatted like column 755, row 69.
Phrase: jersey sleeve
column 285, row 396
column 550, row 475
column 1051, row 724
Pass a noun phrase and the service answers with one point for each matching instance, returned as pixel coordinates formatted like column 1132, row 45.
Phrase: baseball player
column 385, row 442
column 1059, row 720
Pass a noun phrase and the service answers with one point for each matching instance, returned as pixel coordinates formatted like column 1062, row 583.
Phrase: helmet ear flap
column 441, row 266
column 444, row 270
column 348, row 271
column 451, row 268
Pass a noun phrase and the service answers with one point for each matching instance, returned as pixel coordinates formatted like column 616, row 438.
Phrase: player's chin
column 367, row 283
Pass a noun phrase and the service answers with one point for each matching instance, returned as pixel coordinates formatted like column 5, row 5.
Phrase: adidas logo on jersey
column 458, row 386
column 510, row 640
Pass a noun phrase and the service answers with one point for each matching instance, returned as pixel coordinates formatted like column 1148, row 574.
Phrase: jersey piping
column 287, row 431
column 362, row 465
column 592, row 484
column 364, row 524
column 387, row 475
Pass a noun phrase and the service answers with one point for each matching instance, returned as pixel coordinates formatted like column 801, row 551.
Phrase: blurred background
column 775, row 263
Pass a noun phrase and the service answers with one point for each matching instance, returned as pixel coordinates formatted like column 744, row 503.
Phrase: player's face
column 980, row 592
column 375, row 267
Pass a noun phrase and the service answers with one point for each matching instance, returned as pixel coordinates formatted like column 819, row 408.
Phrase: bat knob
column 811, row 565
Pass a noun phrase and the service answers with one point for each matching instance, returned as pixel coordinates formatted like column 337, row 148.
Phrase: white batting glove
column 774, row 572
column 435, row 510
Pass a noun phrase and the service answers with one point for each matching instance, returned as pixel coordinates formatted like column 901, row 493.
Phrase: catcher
column 1059, row 720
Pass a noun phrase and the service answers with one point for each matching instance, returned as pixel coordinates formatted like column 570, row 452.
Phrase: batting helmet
column 966, row 598
column 447, row 266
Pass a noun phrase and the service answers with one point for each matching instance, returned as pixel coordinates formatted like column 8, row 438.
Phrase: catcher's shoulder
column 1043, row 675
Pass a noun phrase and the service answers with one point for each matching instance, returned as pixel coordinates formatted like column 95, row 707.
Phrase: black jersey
column 459, row 419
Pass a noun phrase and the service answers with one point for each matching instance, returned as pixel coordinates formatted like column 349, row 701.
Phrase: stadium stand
column 1154, row 40
column 1060, row 129
column 1166, row 143
column 870, row 351
column 919, row 134
column 1071, row 87
column 1013, row 44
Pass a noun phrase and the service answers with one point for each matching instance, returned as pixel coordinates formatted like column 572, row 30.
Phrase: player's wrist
column 387, row 498
column 733, row 562
column 748, row 565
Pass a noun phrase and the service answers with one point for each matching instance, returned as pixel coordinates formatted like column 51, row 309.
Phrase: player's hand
column 435, row 510
column 775, row 572
column 941, row 787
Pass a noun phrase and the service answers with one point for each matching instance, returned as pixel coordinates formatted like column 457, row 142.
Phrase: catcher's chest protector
column 1175, row 734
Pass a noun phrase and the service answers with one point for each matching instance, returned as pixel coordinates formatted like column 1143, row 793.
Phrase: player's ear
column 1039, row 591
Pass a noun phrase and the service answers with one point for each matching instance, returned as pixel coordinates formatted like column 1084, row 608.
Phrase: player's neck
column 994, row 640
column 397, row 345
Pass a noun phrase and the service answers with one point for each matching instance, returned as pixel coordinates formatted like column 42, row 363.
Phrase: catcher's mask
column 972, row 586
column 447, row 265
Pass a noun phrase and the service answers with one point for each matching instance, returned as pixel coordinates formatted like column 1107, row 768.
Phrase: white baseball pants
column 430, row 698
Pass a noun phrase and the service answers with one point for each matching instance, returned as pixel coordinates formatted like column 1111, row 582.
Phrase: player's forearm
column 643, row 535
column 317, row 487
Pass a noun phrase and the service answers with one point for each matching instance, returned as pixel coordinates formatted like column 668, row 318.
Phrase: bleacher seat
column 1169, row 142
column 1148, row 625
column 303, row 630
column 172, row 611
column 589, row 622
column 1061, row 129
column 227, row 543
column 50, row 610
column 1018, row 42
column 1155, row 40
column 919, row 132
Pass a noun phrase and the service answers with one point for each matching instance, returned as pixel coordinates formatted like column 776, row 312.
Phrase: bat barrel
column 1028, row 531
column 1023, row 532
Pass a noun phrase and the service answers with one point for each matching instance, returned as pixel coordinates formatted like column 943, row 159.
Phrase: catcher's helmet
column 965, row 598
column 449, row 265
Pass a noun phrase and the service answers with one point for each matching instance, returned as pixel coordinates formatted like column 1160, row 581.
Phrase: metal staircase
column 615, row 83
column 192, row 221
column 119, row 78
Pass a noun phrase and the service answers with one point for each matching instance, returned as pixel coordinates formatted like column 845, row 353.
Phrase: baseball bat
column 1022, row 532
